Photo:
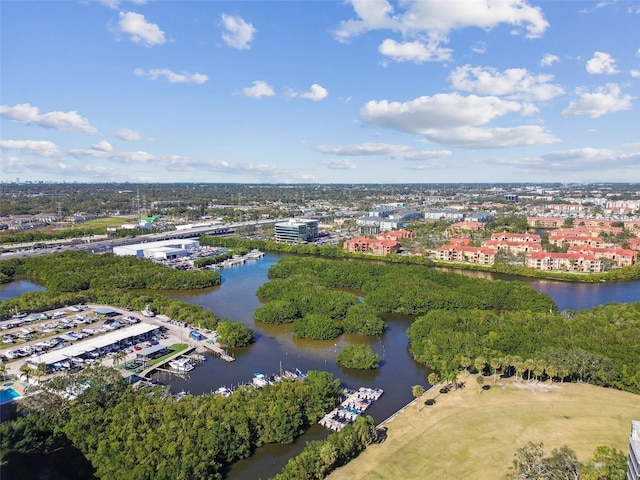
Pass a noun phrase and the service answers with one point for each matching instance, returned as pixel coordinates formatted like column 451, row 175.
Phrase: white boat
column 147, row 312
column 223, row 391
column 181, row 364
column 259, row 380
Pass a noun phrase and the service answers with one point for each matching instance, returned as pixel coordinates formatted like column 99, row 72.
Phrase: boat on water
column 223, row 391
column 147, row 312
column 181, row 364
column 259, row 380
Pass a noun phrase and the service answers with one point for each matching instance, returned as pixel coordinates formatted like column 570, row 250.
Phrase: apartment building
column 570, row 262
column 460, row 253
column 619, row 256
column 371, row 245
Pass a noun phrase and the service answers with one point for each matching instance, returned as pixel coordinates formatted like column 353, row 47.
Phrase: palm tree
column 118, row 357
column 529, row 365
column 3, row 368
column 26, row 370
column 496, row 364
column 465, row 362
column 480, row 380
column 417, row 391
column 480, row 363
column 41, row 370
column 433, row 378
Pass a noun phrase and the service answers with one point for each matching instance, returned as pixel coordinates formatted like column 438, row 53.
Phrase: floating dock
column 355, row 403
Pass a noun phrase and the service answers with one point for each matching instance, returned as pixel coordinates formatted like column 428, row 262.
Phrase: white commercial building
column 164, row 250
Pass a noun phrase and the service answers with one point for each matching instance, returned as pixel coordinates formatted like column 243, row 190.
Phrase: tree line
column 598, row 346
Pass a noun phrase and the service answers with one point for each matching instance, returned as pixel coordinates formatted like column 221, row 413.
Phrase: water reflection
column 17, row 288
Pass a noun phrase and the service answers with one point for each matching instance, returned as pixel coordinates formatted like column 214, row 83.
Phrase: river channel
column 276, row 348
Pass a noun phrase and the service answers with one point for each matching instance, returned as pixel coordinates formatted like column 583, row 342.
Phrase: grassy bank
column 468, row 434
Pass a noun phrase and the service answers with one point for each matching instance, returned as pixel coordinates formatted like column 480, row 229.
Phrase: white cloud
column 515, row 83
column 316, row 93
column 505, row 137
column 635, row 73
column 259, row 89
column 139, row 30
column 394, row 151
column 607, row 99
column 102, row 146
column 238, row 33
column 548, row 60
column 438, row 111
column 425, row 24
column 121, row 157
column 416, row 51
column 172, row 77
column 601, row 63
column 363, row 149
column 129, row 135
column 338, row 164
column 453, row 119
column 41, row 148
column 479, row 47
column 115, row 4
column 28, row 114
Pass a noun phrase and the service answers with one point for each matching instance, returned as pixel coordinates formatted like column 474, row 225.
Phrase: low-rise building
column 468, row 227
column 513, row 247
column 545, row 222
column 560, row 240
column 371, row 245
column 460, row 253
column 516, row 237
column 396, row 235
column 571, row 262
column 619, row 256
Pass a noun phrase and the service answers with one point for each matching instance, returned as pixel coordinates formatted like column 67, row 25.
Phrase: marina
column 355, row 403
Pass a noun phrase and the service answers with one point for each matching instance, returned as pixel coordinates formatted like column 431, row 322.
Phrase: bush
column 358, row 356
column 316, row 327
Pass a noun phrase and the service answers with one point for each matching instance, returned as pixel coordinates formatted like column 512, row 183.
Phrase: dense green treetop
column 410, row 289
column 76, row 271
column 358, row 356
column 601, row 345
column 145, row 434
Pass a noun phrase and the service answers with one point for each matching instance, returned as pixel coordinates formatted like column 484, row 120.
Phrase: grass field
column 471, row 435
column 109, row 222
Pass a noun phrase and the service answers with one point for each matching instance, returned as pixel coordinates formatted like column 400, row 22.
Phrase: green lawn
column 173, row 349
column 108, row 222
column 467, row 434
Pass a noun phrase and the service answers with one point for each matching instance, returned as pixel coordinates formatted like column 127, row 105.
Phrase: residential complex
column 633, row 464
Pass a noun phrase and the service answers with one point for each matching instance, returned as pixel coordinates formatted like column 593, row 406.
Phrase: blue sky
column 360, row 91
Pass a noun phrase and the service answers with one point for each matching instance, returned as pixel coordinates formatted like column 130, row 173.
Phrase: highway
column 102, row 245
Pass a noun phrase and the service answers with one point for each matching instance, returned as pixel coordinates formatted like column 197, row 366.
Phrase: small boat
column 223, row 391
column 259, row 380
column 147, row 312
column 181, row 364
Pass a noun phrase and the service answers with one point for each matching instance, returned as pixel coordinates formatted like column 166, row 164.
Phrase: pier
column 217, row 349
column 355, row 403
column 158, row 366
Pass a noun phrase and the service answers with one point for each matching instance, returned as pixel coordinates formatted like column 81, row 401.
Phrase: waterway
column 276, row 348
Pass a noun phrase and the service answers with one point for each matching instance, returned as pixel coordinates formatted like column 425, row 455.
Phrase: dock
column 158, row 366
column 217, row 349
column 355, row 403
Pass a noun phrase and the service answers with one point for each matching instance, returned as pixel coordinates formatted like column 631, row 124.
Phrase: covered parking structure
column 137, row 332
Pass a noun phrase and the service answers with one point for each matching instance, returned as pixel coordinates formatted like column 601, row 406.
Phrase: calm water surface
column 17, row 288
column 276, row 348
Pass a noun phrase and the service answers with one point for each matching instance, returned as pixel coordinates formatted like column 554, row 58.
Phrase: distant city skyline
column 360, row 91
